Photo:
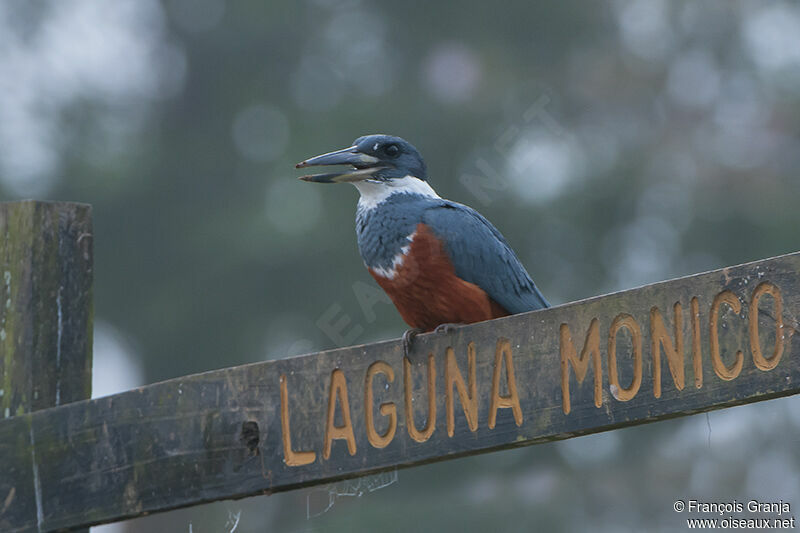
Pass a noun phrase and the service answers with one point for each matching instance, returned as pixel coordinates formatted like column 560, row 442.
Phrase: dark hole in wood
column 250, row 436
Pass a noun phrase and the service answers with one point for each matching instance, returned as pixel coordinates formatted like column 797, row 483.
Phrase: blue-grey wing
column 481, row 255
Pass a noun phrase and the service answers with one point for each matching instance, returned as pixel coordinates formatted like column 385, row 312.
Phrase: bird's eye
column 392, row 150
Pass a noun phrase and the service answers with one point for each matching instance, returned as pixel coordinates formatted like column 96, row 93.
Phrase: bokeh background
column 614, row 143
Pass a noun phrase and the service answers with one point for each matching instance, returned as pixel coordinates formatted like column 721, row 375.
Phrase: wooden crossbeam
column 679, row 347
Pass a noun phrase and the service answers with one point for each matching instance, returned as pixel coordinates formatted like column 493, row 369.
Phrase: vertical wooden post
column 45, row 305
column 45, row 313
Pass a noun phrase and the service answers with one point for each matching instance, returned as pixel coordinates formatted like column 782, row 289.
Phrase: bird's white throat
column 373, row 193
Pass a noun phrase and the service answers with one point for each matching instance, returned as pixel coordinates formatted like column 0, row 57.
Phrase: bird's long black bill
column 361, row 162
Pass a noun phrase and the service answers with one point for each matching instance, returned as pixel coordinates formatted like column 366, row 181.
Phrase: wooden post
column 45, row 318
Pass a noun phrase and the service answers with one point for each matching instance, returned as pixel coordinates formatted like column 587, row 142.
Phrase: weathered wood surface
column 45, row 322
column 722, row 338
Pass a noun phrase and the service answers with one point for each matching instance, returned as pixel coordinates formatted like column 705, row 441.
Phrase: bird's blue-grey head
column 375, row 158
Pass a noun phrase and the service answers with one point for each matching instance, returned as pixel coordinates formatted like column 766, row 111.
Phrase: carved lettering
column 667, row 339
column 430, row 425
column 761, row 362
column 503, row 354
column 569, row 355
column 291, row 457
column 338, row 390
column 469, row 401
column 697, row 354
column 386, row 409
column 624, row 320
column 660, row 338
column 724, row 372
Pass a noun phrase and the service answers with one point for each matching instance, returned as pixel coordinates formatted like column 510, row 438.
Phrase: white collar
column 374, row 192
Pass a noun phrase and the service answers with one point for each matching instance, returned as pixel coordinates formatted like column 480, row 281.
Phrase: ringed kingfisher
column 441, row 262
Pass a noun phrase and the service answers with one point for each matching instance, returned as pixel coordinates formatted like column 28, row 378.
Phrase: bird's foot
column 408, row 339
column 447, row 328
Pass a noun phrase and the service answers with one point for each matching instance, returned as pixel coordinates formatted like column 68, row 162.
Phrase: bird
column 441, row 263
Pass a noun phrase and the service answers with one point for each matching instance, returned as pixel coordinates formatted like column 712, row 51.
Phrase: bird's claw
column 447, row 328
column 410, row 334
column 408, row 338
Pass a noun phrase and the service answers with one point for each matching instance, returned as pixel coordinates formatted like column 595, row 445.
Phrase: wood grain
column 45, row 330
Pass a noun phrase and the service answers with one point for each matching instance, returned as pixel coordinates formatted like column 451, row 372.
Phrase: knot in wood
column 250, row 435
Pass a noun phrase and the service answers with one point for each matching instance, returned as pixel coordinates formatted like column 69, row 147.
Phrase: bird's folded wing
column 481, row 255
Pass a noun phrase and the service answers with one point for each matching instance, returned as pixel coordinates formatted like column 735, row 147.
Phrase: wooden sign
column 684, row 346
